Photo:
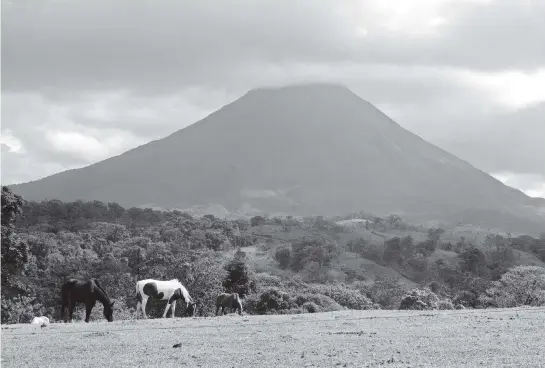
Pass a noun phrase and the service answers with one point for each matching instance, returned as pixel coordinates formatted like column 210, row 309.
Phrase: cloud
column 500, row 141
column 103, row 45
column 10, row 143
column 531, row 184
column 513, row 89
column 83, row 80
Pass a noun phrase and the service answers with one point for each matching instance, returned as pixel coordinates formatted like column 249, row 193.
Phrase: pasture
column 462, row 338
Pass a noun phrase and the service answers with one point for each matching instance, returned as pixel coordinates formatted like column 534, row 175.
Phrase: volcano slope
column 467, row 338
column 300, row 150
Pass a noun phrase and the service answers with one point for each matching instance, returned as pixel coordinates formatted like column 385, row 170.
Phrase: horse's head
column 191, row 309
column 239, row 306
column 109, row 311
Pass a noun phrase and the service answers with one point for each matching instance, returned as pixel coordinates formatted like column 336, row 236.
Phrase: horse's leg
column 222, row 310
column 88, row 309
column 217, row 309
column 71, row 311
column 138, row 306
column 173, row 308
column 144, row 302
column 166, row 309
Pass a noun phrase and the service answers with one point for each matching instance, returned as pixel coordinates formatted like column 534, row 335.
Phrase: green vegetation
column 278, row 266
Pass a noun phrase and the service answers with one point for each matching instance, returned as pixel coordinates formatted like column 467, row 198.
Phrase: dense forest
column 305, row 263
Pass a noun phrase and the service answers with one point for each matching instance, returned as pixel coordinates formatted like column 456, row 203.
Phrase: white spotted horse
column 171, row 291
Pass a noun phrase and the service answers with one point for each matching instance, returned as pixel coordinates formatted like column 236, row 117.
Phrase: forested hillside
column 278, row 265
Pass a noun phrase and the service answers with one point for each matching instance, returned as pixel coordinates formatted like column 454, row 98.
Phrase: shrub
column 345, row 296
column 273, row 301
column 473, row 260
column 354, row 275
column 418, row 263
column 313, row 249
column 392, row 251
column 419, row 299
column 445, row 304
column 283, row 256
column 240, row 277
column 19, row 309
column 311, row 307
column 257, row 221
column 386, row 291
column 357, row 246
column 521, row 285
column 467, row 298
column 426, row 247
column 325, row 303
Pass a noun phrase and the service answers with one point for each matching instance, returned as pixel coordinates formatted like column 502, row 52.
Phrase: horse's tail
column 98, row 285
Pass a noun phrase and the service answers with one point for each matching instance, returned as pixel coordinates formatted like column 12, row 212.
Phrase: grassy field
column 467, row 338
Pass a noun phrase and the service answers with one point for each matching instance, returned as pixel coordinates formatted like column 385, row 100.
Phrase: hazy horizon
column 465, row 76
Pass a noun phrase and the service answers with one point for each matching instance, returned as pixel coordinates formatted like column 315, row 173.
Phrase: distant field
column 468, row 338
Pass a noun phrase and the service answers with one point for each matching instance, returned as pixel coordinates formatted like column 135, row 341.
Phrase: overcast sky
column 83, row 80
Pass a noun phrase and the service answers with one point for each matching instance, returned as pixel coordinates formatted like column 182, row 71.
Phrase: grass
column 467, row 338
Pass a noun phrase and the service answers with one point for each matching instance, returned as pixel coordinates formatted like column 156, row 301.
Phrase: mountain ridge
column 337, row 152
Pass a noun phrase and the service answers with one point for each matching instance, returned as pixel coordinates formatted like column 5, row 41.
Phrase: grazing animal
column 231, row 301
column 42, row 321
column 170, row 290
column 75, row 291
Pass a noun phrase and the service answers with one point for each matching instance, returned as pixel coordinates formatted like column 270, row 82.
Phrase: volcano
column 299, row 150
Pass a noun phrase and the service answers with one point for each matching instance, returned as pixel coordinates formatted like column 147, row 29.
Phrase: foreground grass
column 468, row 338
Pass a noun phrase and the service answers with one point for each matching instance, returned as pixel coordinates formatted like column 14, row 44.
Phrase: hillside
column 312, row 264
column 476, row 338
column 302, row 150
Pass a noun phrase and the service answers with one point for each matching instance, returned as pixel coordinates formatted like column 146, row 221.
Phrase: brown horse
column 231, row 301
column 75, row 291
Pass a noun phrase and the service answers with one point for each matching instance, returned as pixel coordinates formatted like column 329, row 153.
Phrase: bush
column 473, row 260
column 445, row 304
column 240, row 277
column 385, row 291
column 467, row 299
column 521, row 285
column 274, row 300
column 313, row 250
column 311, row 307
column 257, row 221
column 283, row 256
column 345, row 296
column 426, row 247
column 419, row 299
column 324, row 303
column 20, row 309
column 392, row 251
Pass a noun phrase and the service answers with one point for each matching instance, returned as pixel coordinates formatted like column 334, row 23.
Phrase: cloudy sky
column 83, row 80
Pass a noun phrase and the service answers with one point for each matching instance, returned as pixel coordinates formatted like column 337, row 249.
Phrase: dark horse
column 75, row 291
column 231, row 301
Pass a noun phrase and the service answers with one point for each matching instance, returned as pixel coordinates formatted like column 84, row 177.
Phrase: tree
column 15, row 252
column 393, row 221
column 392, row 251
column 377, row 221
column 283, row 256
column 313, row 249
column 521, row 285
column 257, row 221
column 434, row 234
column 240, row 277
column 473, row 260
